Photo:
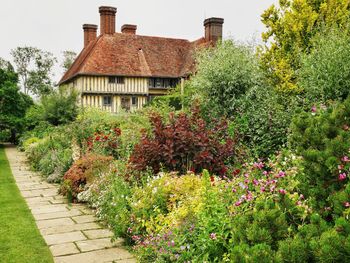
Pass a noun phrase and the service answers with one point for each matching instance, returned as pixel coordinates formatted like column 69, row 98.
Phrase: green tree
column 290, row 27
column 34, row 66
column 13, row 103
column 325, row 73
column 68, row 59
column 224, row 75
column 58, row 107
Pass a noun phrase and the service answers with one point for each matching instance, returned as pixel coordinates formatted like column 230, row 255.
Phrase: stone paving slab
column 71, row 231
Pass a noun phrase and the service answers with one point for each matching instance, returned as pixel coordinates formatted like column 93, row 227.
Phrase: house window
column 107, row 101
column 125, row 103
column 134, row 101
column 118, row 80
column 111, row 80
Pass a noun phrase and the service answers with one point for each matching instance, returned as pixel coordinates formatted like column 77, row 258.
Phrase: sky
column 56, row 25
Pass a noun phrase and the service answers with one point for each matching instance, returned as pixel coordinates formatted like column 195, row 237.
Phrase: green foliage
column 58, row 108
column 13, row 105
column 263, row 120
column 225, row 74
column 324, row 73
column 52, row 155
column 323, row 139
column 34, row 66
column 290, row 27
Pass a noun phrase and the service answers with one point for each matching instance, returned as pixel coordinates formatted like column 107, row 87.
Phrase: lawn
column 20, row 239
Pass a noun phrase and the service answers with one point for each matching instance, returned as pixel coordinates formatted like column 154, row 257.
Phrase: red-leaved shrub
column 185, row 143
column 82, row 171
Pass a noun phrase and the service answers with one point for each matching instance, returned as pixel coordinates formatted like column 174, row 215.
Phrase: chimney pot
column 90, row 33
column 129, row 29
column 213, row 29
column 107, row 19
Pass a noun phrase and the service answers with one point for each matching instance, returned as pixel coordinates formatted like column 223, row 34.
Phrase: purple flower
column 182, row 247
column 129, row 230
column 262, row 189
column 347, row 204
column 314, row 109
column 342, row 176
column 255, row 182
column 234, row 190
column 265, row 172
column 213, row 236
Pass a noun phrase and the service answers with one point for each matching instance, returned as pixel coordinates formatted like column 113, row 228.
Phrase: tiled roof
column 133, row 55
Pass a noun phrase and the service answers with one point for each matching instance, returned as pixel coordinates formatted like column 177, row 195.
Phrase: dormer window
column 118, row 80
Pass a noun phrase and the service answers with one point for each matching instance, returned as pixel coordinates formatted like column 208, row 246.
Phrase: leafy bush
column 52, row 154
column 263, row 120
column 185, row 143
column 225, row 74
column 82, row 172
column 325, row 72
column 57, row 108
column 322, row 138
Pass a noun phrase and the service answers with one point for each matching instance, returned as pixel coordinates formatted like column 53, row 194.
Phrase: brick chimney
column 129, row 29
column 107, row 19
column 213, row 29
column 90, row 33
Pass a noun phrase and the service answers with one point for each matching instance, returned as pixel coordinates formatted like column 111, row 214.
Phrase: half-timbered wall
column 93, row 89
column 102, row 85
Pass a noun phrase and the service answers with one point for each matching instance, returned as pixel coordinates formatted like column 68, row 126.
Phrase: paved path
column 71, row 231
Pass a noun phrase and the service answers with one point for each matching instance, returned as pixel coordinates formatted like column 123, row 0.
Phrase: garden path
column 71, row 231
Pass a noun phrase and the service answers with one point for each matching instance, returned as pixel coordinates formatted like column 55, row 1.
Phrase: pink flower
column 238, row 203
column 213, row 236
column 298, row 202
column 265, row 172
column 282, row 191
column 255, row 182
column 262, row 189
column 347, row 204
column 272, row 188
column 342, row 176
column 234, row 190
column 129, row 230
column 259, row 165
column 301, row 197
column 340, row 167
column 345, row 159
column 246, row 175
column 314, row 109
column 281, row 174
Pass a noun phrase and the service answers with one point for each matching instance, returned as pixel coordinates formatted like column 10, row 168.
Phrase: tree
column 13, row 103
column 290, row 27
column 57, row 108
column 34, row 67
column 325, row 73
column 225, row 74
column 68, row 59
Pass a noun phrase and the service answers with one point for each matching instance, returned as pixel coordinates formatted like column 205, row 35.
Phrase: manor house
column 124, row 70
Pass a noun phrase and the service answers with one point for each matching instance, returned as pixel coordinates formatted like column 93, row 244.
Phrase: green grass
column 20, row 239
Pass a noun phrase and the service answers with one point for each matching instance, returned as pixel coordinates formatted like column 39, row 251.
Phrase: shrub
column 185, row 143
column 225, row 74
column 203, row 218
column 324, row 73
column 322, row 138
column 263, row 119
column 52, row 154
column 82, row 172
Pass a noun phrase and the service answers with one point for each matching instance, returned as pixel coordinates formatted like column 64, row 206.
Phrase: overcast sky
column 56, row 25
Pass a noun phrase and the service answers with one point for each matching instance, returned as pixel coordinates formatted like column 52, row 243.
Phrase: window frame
column 109, row 99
